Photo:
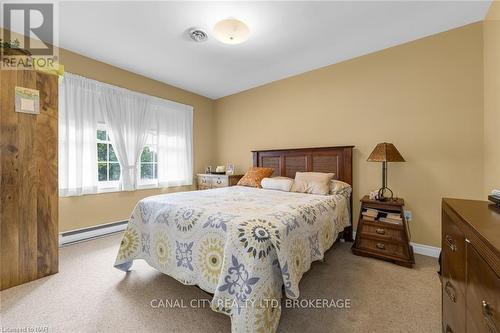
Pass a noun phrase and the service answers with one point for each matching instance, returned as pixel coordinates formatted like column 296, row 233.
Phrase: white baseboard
column 84, row 234
column 425, row 250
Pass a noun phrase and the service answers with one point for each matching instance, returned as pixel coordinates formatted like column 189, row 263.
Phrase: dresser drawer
column 220, row 181
column 204, row 182
column 384, row 247
column 453, row 308
column 483, row 294
column 453, row 257
column 382, row 230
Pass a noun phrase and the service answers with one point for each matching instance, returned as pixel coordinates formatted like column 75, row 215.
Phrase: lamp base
column 383, row 194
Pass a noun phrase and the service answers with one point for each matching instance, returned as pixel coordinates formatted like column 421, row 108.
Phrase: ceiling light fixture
column 231, row 31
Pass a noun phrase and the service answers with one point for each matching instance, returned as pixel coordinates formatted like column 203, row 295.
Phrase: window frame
column 106, row 185
column 152, row 141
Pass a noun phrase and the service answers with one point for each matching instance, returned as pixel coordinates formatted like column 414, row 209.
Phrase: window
column 108, row 168
column 87, row 160
column 149, row 162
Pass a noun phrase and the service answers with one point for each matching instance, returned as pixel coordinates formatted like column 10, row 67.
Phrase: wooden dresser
column 470, row 266
column 205, row 181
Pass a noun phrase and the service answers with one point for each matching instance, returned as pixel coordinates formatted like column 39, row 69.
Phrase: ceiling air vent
column 198, row 35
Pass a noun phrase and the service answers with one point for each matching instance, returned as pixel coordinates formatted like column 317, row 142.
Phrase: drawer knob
column 380, row 246
column 380, row 231
column 488, row 314
column 450, row 291
column 450, row 243
column 219, row 182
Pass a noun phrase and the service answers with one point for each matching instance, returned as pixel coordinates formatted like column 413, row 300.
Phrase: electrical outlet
column 408, row 215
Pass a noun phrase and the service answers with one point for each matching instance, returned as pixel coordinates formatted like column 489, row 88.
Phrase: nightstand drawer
column 383, row 247
column 382, row 230
column 220, row 181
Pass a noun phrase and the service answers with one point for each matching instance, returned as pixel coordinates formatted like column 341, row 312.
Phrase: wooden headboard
column 286, row 162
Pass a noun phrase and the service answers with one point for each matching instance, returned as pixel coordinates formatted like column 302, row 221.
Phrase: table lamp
column 385, row 152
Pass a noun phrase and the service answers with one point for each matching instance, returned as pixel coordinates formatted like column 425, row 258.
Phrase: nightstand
column 205, row 181
column 383, row 232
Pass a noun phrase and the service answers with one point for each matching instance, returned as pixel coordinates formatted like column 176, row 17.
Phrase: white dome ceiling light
column 231, row 31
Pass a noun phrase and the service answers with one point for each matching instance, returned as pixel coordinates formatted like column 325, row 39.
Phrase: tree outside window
column 149, row 162
column 108, row 167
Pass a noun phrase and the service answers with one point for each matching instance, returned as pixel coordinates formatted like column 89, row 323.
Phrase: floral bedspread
column 241, row 244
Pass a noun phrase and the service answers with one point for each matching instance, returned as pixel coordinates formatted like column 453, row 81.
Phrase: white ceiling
column 287, row 38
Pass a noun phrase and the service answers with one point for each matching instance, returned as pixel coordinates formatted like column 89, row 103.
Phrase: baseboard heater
column 85, row 234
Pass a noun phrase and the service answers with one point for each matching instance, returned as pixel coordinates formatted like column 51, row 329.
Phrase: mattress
column 241, row 244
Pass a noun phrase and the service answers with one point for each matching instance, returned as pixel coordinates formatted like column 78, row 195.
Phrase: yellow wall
column 425, row 96
column 492, row 98
column 436, row 99
column 89, row 210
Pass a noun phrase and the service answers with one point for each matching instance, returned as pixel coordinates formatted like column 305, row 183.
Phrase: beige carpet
column 89, row 295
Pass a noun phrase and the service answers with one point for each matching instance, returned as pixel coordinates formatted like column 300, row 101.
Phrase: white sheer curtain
column 129, row 116
column 78, row 117
column 175, row 145
column 128, row 119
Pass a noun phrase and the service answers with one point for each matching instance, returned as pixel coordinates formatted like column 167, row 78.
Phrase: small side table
column 380, row 236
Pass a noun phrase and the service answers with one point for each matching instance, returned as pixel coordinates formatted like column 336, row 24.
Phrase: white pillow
column 277, row 183
column 339, row 187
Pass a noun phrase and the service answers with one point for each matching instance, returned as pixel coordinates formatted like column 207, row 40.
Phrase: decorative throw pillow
column 254, row 176
column 312, row 182
column 277, row 183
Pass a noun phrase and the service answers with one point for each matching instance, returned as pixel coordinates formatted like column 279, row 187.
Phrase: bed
column 244, row 245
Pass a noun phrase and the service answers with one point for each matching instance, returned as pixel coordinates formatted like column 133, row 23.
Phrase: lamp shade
column 385, row 152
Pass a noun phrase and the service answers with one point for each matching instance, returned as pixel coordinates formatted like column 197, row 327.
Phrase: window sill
column 109, row 190
column 116, row 189
column 145, row 186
